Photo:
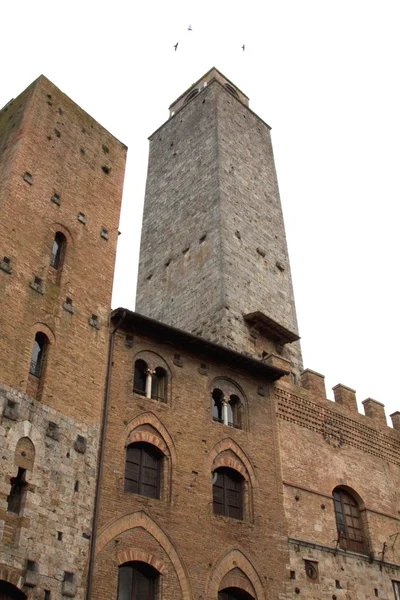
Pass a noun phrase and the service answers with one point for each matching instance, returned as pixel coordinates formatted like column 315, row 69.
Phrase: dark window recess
column 68, row 587
column 31, row 574
column 337, row 584
column 142, row 470
column 233, row 594
column 76, row 486
column 59, row 536
column 159, row 385
column 376, row 592
column 292, row 574
column 139, row 380
column 37, row 285
column 68, row 305
column 57, row 133
column 234, row 412
column 106, row 169
column 17, row 490
column 396, row 589
column 39, row 352
column 217, row 396
column 47, row 595
column 11, row 410
column 228, row 493
column 348, row 522
column 57, row 251
column 137, row 581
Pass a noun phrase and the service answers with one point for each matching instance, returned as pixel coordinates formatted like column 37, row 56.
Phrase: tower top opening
column 211, row 75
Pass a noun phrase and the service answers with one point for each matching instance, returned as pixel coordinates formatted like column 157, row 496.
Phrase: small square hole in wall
column 53, row 431
column 47, row 595
column 105, row 149
column 178, row 360
column 106, row 169
column 337, row 584
column 376, row 592
column 292, row 574
column 81, row 217
column 80, row 444
column 27, row 177
column 68, row 305
column 94, row 321
column 56, row 199
column 59, row 536
column 5, row 265
column 129, row 341
column 76, row 486
column 69, row 577
column 57, row 133
column 104, row 233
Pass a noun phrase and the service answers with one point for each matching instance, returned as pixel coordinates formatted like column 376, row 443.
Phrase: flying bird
column 243, row 47
column 176, row 46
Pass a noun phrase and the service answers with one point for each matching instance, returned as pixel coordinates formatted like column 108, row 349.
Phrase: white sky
column 323, row 74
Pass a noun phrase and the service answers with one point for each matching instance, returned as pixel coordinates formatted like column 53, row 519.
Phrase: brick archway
column 141, row 519
column 242, row 463
column 235, row 559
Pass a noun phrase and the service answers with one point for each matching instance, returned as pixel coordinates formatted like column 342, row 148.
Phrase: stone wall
column 213, row 245
column 53, row 527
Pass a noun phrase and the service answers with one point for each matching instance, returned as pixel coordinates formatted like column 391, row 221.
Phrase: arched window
column 143, row 470
column 139, row 381
column 228, row 493
column 137, row 581
column 233, row 593
column 234, row 412
column 39, row 351
column 217, row 396
column 58, row 250
column 191, row 95
column 348, row 521
column 17, row 492
column 10, row 592
column 232, row 90
column 159, row 384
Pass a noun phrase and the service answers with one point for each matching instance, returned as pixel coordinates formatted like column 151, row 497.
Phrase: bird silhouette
column 176, row 46
column 243, row 47
column 190, row 28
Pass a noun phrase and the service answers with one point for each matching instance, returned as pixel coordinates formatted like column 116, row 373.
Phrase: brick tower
column 213, row 257
column 61, row 177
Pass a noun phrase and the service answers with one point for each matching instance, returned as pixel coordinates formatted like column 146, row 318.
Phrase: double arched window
column 228, row 493
column 137, row 581
column 58, row 250
column 148, row 382
column 227, row 409
column 143, row 469
column 348, row 521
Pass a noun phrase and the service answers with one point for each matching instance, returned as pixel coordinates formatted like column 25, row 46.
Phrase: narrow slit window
column 39, row 351
column 58, row 250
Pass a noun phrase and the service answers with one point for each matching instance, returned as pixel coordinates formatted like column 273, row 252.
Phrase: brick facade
column 214, row 393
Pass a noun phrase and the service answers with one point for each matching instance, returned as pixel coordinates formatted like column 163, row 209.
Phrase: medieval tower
column 61, row 186
column 179, row 452
column 213, row 227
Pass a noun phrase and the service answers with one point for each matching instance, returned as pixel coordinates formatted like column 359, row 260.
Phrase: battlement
column 345, row 397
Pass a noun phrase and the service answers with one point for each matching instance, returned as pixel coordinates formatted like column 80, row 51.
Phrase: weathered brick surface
column 62, row 148
column 48, row 145
column 213, row 226
column 323, row 445
column 198, row 548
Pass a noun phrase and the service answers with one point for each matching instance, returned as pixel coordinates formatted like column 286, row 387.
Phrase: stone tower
column 61, row 177
column 213, row 256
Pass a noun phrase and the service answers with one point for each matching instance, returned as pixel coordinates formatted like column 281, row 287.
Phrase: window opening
column 57, row 250
column 348, row 522
column 18, row 487
column 396, row 589
column 137, row 581
column 217, row 397
column 38, row 354
column 159, row 384
column 234, row 412
column 228, row 493
column 142, row 470
column 234, row 594
column 140, row 376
